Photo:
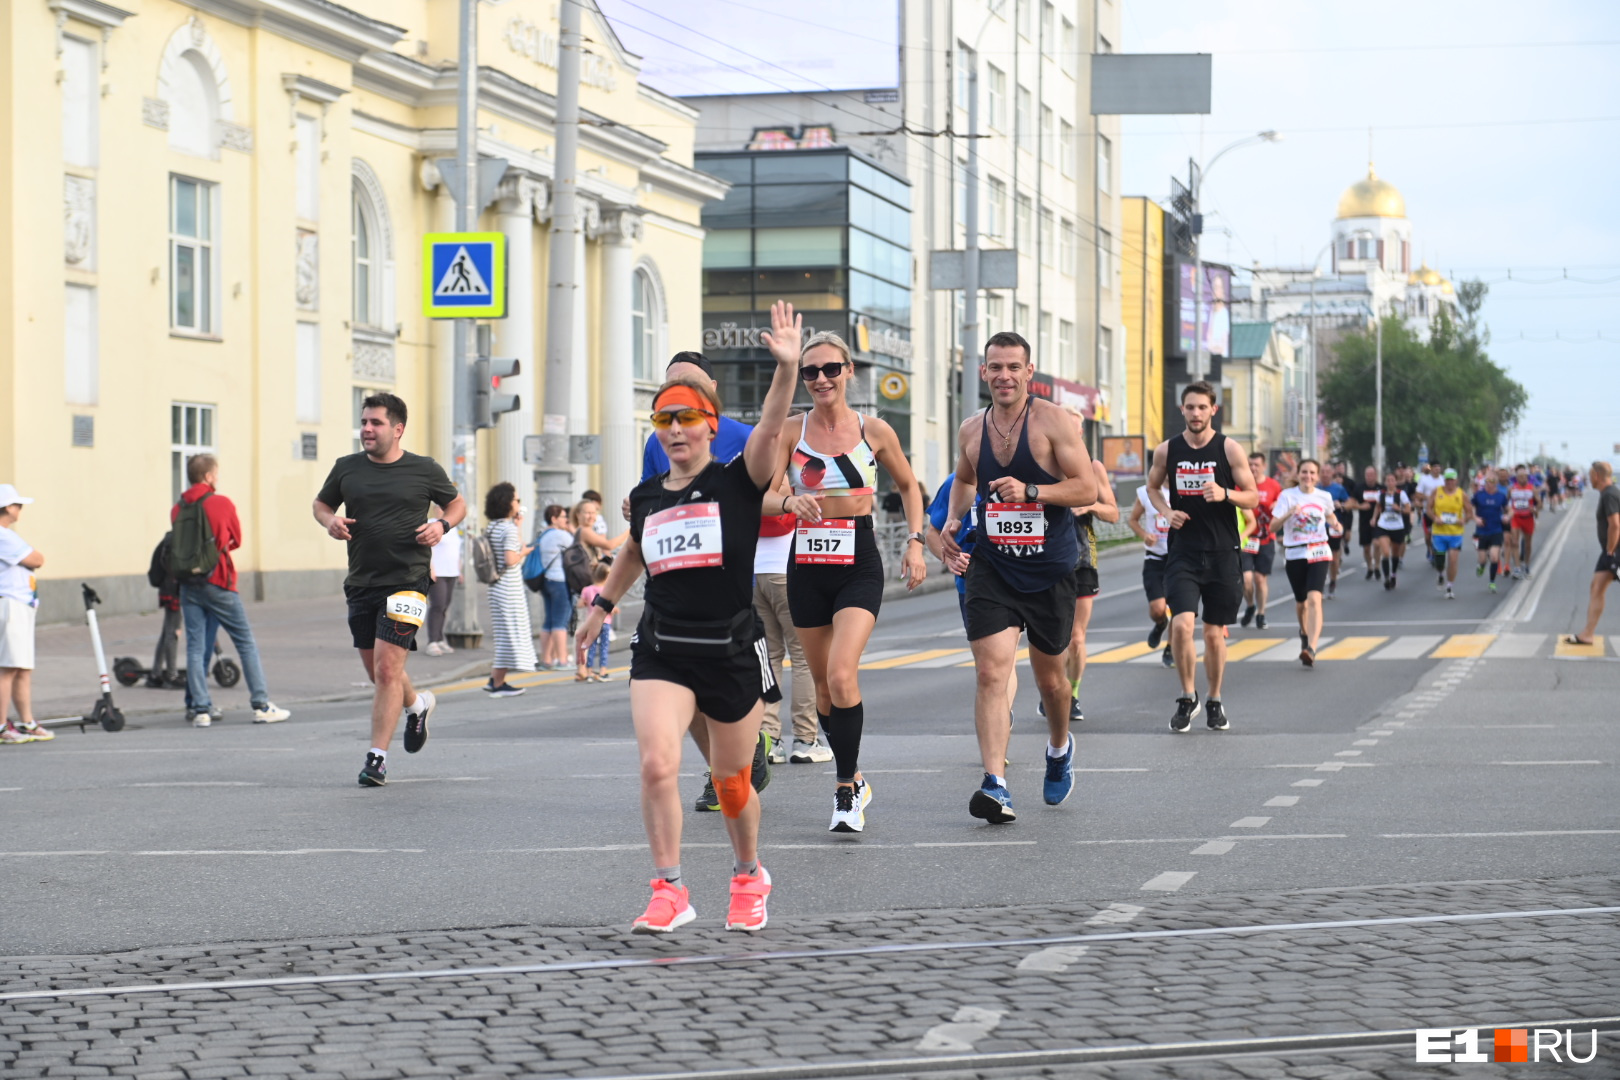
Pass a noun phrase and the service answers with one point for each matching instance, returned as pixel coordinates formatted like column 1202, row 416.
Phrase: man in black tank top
column 1025, row 464
column 1209, row 478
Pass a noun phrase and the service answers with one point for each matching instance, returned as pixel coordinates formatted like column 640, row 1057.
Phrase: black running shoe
column 707, row 802
column 1389, row 583
column 1075, row 715
column 1260, row 622
column 1371, row 573
column 760, row 774
column 416, row 721
column 375, row 773
column 1187, row 709
column 1215, row 716
column 1156, row 634
column 1248, row 616
column 1167, row 657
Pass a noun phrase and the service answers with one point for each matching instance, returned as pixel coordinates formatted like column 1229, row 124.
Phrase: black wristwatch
column 917, row 536
column 1032, row 493
column 604, row 603
column 444, row 525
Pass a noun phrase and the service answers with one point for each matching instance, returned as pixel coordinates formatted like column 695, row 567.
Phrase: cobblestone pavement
column 813, row 1014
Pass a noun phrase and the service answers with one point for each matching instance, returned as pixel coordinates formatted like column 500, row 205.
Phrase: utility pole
column 967, row 376
column 1378, row 390
column 464, row 630
column 554, row 478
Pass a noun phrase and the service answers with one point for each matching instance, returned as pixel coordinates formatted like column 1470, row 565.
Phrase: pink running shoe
column 670, row 908
column 748, row 895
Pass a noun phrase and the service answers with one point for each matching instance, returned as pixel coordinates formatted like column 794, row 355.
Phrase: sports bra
column 814, row 473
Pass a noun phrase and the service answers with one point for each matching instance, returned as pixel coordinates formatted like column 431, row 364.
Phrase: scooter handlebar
column 90, row 597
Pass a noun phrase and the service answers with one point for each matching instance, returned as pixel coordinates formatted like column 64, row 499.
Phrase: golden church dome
column 1424, row 275
column 1371, row 197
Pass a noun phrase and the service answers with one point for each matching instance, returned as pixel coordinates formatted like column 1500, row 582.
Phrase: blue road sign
column 464, row 275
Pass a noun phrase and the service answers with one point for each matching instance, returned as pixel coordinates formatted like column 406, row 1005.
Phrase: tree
column 1445, row 391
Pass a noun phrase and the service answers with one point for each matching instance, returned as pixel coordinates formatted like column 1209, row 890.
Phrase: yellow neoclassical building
column 243, row 187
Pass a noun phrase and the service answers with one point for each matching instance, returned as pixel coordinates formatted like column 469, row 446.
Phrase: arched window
column 644, row 318
column 371, row 251
column 193, row 106
column 365, row 269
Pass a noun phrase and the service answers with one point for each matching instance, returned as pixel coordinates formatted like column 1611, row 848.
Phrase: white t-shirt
column 771, row 555
column 1309, row 525
column 1427, row 485
column 16, row 580
column 1155, row 524
column 1389, row 514
column 447, row 555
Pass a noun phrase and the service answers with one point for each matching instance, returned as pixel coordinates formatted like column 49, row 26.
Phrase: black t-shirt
column 1211, row 526
column 1608, row 503
column 388, row 504
column 704, row 593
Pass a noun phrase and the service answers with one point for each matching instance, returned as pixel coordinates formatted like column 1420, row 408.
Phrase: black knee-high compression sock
column 843, row 727
column 1494, row 565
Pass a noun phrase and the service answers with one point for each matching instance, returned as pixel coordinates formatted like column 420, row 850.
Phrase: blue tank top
column 1027, row 568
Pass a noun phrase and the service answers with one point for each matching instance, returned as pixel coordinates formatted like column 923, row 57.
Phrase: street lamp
column 1378, row 389
column 1198, row 247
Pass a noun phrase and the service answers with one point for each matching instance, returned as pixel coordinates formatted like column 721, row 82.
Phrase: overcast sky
column 1499, row 121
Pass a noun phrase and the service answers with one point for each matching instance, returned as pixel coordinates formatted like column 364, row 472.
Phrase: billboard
column 1124, row 456
column 1215, row 296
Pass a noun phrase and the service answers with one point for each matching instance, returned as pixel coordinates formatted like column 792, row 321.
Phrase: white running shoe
column 849, row 807
column 270, row 714
column 805, row 753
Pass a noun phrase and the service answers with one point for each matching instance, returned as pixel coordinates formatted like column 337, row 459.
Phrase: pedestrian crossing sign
column 464, row 275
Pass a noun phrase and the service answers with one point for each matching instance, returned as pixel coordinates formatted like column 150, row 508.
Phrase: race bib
column 682, row 537
column 830, row 541
column 1251, row 546
column 1191, row 478
column 1015, row 523
column 407, row 607
column 1318, row 553
column 1449, row 519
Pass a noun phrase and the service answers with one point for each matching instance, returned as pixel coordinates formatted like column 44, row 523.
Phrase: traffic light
column 487, row 373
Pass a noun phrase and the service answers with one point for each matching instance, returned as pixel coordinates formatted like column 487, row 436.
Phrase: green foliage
column 1445, row 391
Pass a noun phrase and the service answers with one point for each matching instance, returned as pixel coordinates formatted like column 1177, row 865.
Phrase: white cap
column 9, row 496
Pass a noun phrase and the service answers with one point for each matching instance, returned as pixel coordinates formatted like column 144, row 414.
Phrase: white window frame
column 1048, row 239
column 205, row 307
column 1023, row 121
column 1023, row 223
column 1043, row 342
column 1105, row 260
column 1048, row 27
column 1105, row 163
column 1021, row 20
column 964, row 62
column 81, row 87
column 1021, row 320
column 995, row 311
column 1066, row 346
column 644, row 321
column 1105, row 356
column 198, row 425
column 1068, row 254
column 1068, row 152
column 307, row 168
column 1067, row 52
column 995, row 82
column 1048, row 134
column 996, row 204
column 366, row 292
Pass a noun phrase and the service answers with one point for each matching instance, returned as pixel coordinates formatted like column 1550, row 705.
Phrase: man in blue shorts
column 1489, row 506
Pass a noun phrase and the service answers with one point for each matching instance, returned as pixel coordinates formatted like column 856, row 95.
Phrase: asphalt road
column 1365, row 771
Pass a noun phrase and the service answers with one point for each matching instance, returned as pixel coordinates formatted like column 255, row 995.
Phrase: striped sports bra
column 814, row 473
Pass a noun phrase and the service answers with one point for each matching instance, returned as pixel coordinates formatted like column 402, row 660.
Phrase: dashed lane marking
column 1169, row 881
column 1250, row 823
column 1365, row 742
column 1282, row 800
column 967, row 1026
column 1306, row 783
column 1463, row 645
column 1546, row 763
column 1122, row 653
column 1408, row 647
column 1214, row 847
column 1055, row 960
column 1350, row 648
column 1288, row 651
column 1244, row 648
column 1115, row 915
column 910, row 658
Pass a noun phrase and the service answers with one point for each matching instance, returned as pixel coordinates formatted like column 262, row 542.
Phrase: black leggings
column 439, row 594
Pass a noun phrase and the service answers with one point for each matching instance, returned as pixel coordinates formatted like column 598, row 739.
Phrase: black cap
column 696, row 359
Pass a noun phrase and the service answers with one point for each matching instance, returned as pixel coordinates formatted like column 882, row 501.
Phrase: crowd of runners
column 726, row 513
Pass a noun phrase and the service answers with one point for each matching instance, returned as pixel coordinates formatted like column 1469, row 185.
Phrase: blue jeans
column 204, row 604
column 559, row 605
column 597, row 653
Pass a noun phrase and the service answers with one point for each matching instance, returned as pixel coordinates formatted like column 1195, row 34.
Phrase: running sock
column 671, row 874
column 1383, row 565
column 746, row 869
column 413, row 703
column 1494, row 565
column 380, row 752
column 1074, row 688
column 995, row 780
column 1056, row 751
column 843, row 727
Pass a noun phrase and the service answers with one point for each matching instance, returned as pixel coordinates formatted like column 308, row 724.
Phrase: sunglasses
column 686, row 417
column 811, row 372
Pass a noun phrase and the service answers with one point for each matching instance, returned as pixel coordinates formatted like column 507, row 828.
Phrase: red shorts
column 1525, row 523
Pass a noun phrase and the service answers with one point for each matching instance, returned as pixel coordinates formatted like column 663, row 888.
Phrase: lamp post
column 1198, row 370
column 970, row 226
column 1310, row 374
column 1378, row 391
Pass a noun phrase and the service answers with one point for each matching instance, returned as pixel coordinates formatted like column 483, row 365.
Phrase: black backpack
column 157, row 572
column 193, row 550
column 579, row 566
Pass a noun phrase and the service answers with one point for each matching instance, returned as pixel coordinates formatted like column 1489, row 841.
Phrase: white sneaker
column 201, row 719
column 804, row 753
column 778, row 754
column 445, row 648
column 270, row 714
column 849, row 807
column 431, row 649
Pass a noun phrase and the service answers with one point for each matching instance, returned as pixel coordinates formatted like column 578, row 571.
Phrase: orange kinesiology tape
column 733, row 792
column 687, row 398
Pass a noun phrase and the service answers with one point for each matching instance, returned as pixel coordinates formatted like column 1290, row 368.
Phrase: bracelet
column 604, row 603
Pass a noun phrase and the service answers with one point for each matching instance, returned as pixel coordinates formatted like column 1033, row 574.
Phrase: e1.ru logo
column 1508, row 1045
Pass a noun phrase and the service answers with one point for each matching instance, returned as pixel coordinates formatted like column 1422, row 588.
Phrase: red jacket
column 227, row 531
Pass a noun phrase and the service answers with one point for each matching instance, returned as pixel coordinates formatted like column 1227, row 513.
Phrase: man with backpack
column 205, row 532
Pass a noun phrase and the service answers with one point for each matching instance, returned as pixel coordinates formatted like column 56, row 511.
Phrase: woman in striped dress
column 508, row 608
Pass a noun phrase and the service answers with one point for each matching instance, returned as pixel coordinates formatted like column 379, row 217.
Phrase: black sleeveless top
column 1211, row 526
column 1033, row 567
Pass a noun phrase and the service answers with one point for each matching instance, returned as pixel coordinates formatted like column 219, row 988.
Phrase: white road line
column 1348, row 753
column 1546, row 763
column 1473, row 835
column 27, row 854
column 1055, row 960
column 1381, row 732
column 292, row 851
column 1306, row 783
column 1330, row 766
column 1213, row 847
column 1169, row 881
column 887, row 772
column 195, row 783
column 1291, row 836
column 1550, row 558
column 1115, row 915
column 55, row 753
column 1287, row 651
column 970, row 843
column 10, row 789
column 1365, row 742
column 1282, row 800
column 1408, row 647
column 1250, row 823
column 1145, row 840
column 440, row 779
column 968, row 1026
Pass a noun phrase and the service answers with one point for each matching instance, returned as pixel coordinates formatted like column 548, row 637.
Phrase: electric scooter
column 103, row 712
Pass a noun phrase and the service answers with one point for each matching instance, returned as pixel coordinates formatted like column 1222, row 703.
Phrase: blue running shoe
column 1059, row 776
column 992, row 802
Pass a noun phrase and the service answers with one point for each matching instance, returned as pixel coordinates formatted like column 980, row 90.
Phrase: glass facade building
column 829, row 232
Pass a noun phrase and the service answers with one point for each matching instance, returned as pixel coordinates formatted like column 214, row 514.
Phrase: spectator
column 1608, row 563
column 216, row 595
column 508, row 607
column 446, row 572
column 18, row 599
column 593, row 662
column 585, row 518
column 552, row 542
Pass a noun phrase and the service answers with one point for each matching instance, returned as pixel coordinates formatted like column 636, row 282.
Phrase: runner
column 1608, row 564
column 1428, row 482
column 700, row 646
column 1027, row 465
column 835, row 577
column 1259, row 551
column 1555, row 499
column 1490, row 503
column 385, row 492
column 1447, row 506
column 1305, row 520
column 1337, row 541
column 1526, row 504
column 1409, row 486
column 1391, row 522
column 1205, row 471
column 1106, row 508
column 1153, row 529
column 1367, row 526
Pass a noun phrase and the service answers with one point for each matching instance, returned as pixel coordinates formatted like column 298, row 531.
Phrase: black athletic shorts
column 1086, row 581
column 1334, row 543
column 1153, row 579
column 1306, row 576
column 1260, row 562
column 1366, row 531
column 1210, row 578
column 1488, row 541
column 368, row 619
column 993, row 606
column 816, row 590
column 1607, row 564
column 726, row 690
column 1396, row 536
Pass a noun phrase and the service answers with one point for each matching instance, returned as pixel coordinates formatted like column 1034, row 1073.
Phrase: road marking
column 1122, row 653
column 1351, row 648
column 879, row 655
column 968, row 1026
column 180, row 750
column 1408, row 647
column 1282, row 800
column 1213, row 847
column 1348, row 753
column 1474, row 835
column 292, row 851
column 944, row 661
column 1019, row 657
column 1169, row 881
column 1380, row 733
column 973, row 843
column 1249, row 823
column 1546, row 763
column 1115, row 915
column 1330, row 766
column 195, row 783
column 1306, row 783
column 1288, row 651
column 1094, row 646
column 28, row 854
column 440, row 779
column 910, row 658
column 1055, row 960
column 10, row 789
column 1146, row 840
column 1564, row 650
column 1459, row 645
column 1247, row 647
column 1365, row 742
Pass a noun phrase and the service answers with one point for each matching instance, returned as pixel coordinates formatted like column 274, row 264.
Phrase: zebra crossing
column 1277, row 649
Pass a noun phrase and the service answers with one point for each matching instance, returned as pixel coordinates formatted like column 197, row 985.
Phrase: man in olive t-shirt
column 385, row 494
column 1608, row 533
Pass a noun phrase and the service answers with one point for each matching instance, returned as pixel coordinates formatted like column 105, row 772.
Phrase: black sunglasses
column 810, row 372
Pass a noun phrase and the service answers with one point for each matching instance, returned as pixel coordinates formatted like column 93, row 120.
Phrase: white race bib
column 1191, row 478
column 682, row 537
column 407, row 607
column 1318, row 553
column 829, row 541
column 1015, row 523
column 1251, row 546
column 1449, row 519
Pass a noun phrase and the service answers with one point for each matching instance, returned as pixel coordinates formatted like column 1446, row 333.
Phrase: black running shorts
column 1259, row 562
column 1366, row 530
column 994, row 606
column 1153, row 579
column 368, row 618
column 1306, row 577
column 1086, row 581
column 726, row 690
column 1395, row 536
column 1211, row 578
column 816, row 590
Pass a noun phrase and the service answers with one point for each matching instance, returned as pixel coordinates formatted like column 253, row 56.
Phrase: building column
column 515, row 204
column 581, row 419
column 621, row 457
column 439, row 440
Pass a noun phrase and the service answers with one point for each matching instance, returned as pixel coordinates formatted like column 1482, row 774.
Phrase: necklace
column 1006, row 436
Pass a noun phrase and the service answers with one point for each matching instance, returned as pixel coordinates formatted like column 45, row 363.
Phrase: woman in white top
column 1392, row 519
column 1303, row 516
column 1153, row 529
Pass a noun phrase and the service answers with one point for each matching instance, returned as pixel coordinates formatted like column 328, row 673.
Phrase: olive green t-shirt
column 388, row 504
